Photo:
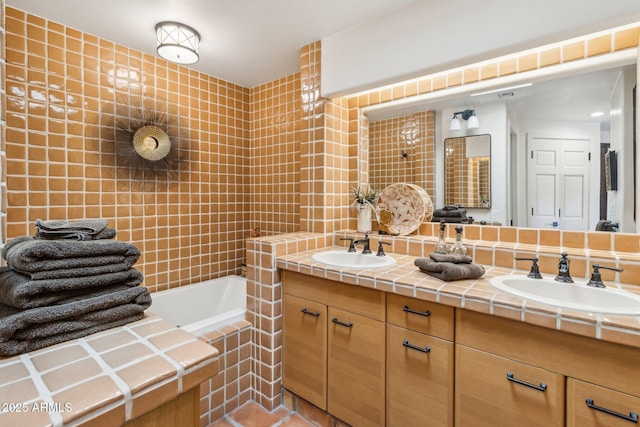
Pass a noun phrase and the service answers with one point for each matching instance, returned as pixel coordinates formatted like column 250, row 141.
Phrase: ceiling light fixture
column 177, row 42
column 502, row 89
column 597, row 114
column 469, row 115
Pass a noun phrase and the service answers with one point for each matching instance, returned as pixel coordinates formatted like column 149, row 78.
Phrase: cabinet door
column 304, row 349
column 494, row 391
column 419, row 379
column 356, row 359
column 591, row 405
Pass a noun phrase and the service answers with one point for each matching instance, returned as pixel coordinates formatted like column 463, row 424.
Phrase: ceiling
column 248, row 42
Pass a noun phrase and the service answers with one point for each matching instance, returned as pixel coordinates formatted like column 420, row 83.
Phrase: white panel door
column 558, row 183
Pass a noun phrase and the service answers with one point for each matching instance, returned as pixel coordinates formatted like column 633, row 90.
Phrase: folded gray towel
column 28, row 255
column 448, row 219
column 18, row 290
column 87, row 229
column 22, row 331
column 454, row 258
column 449, row 271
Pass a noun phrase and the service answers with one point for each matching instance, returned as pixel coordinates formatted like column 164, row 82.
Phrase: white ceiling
column 248, row 42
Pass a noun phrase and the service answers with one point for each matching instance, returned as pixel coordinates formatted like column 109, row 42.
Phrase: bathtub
column 202, row 307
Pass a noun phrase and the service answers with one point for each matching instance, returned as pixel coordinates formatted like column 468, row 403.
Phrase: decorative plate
column 409, row 204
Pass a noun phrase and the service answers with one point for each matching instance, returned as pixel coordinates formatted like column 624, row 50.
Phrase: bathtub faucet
column 366, row 250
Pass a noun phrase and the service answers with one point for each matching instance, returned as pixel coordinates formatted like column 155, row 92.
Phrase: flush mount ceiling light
column 177, row 42
column 469, row 115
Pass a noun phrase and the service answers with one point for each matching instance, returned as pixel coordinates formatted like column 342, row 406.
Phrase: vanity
column 398, row 347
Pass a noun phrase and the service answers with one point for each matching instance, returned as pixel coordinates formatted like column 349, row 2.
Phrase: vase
column 364, row 218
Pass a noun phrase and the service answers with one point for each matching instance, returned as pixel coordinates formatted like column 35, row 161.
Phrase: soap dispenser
column 458, row 248
column 441, row 247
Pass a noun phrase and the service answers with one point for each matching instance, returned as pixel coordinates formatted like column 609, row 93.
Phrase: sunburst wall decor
column 144, row 140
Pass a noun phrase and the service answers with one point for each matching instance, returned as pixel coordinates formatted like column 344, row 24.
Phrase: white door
column 558, row 183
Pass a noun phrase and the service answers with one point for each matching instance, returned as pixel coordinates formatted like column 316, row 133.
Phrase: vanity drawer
column 486, row 396
column 421, row 316
column 356, row 299
column 606, row 408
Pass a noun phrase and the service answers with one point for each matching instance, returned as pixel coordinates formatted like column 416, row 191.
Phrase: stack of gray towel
column 450, row 213
column 450, row 267
column 68, row 281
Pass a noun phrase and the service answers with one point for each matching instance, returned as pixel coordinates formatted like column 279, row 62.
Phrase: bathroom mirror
column 511, row 110
column 467, row 171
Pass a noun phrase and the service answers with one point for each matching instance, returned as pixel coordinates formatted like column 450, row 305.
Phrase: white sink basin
column 577, row 296
column 353, row 260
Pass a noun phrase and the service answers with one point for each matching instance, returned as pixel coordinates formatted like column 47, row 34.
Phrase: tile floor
column 251, row 414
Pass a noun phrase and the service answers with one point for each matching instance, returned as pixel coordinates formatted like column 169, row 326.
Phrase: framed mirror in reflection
column 467, row 170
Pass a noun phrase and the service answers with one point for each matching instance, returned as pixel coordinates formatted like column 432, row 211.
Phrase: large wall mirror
column 467, row 170
column 590, row 101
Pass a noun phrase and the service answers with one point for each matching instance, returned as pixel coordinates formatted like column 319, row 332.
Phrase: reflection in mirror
column 467, row 165
column 557, row 103
column 401, row 149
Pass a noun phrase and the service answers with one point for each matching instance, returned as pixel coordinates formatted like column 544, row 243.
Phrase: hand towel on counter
column 22, row 331
column 450, row 211
column 449, row 271
column 87, row 229
column 28, row 255
column 19, row 291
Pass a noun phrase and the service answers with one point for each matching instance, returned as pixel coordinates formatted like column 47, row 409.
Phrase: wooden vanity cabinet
column 589, row 405
column 419, row 362
column 496, row 391
column 604, row 372
column 348, row 338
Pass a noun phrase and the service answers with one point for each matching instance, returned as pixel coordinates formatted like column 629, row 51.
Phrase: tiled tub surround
column 106, row 378
column 494, row 247
column 231, row 386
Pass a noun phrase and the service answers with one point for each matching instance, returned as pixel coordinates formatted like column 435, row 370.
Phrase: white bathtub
column 205, row 306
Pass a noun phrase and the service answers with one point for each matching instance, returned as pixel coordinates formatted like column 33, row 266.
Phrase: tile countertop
column 108, row 378
column 477, row 295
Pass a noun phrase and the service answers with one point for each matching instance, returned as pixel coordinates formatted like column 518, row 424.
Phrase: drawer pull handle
column 310, row 313
column 541, row 387
column 337, row 322
column 405, row 343
column 633, row 417
column 420, row 313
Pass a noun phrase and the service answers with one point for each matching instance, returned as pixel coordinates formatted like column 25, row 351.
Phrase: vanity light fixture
column 469, row 115
column 177, row 42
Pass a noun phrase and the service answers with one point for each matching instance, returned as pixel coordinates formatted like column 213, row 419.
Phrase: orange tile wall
column 58, row 82
column 274, row 156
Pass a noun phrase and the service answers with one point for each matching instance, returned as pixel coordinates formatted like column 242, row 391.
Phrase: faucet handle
column 381, row 249
column 596, row 278
column 534, row 273
column 352, row 247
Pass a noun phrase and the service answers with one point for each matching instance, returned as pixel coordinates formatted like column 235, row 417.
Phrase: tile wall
column 60, row 82
column 274, row 155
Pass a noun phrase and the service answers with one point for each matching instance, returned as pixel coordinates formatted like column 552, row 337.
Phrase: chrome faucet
column 366, row 250
column 596, row 279
column 563, row 270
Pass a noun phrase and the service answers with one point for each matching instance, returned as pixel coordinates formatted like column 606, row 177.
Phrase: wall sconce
column 469, row 115
column 177, row 42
